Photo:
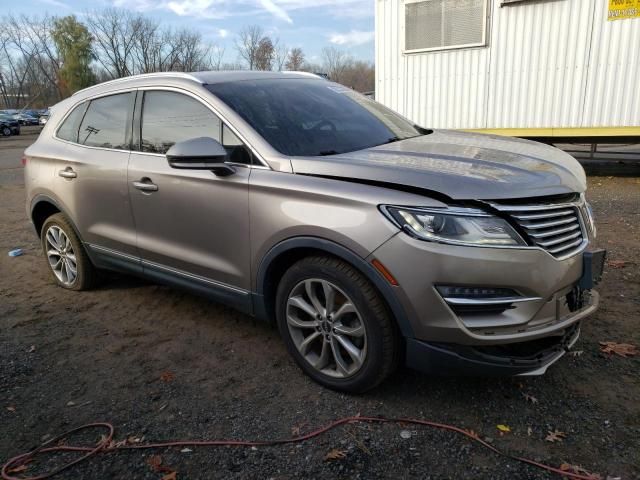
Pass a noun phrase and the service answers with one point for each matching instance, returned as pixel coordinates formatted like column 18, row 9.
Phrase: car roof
column 200, row 78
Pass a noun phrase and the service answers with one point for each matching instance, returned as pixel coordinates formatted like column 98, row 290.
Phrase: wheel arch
column 286, row 253
column 42, row 207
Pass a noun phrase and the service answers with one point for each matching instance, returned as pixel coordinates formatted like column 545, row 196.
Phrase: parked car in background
column 26, row 119
column 9, row 125
column 368, row 239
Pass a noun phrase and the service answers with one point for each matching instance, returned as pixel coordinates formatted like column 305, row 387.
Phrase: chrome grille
column 556, row 228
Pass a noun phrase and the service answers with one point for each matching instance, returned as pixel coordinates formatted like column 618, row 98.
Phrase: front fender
column 261, row 303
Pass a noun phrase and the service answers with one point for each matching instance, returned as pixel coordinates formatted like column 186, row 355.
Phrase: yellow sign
column 621, row 9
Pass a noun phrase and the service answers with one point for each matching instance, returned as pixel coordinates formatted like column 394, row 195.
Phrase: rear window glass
column 106, row 121
column 69, row 128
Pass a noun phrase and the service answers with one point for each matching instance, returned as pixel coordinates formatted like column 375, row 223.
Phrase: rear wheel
column 335, row 324
column 6, row 131
column 66, row 258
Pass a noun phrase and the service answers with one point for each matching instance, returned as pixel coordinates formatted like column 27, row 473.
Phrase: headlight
column 459, row 226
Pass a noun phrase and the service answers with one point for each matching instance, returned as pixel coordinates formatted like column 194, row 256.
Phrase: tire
column 61, row 246
column 373, row 357
column 6, row 131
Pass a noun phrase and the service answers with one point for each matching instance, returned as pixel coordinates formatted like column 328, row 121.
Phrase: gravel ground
column 163, row 364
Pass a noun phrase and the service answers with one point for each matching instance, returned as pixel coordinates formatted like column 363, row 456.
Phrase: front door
column 192, row 226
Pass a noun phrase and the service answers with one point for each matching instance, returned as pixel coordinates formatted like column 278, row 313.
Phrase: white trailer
column 530, row 68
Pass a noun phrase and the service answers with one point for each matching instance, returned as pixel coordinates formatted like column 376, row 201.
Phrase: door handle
column 67, row 173
column 145, row 185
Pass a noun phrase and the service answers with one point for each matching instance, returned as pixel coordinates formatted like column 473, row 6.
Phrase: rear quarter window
column 69, row 128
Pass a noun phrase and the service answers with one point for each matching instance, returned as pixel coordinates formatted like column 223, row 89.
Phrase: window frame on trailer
column 403, row 32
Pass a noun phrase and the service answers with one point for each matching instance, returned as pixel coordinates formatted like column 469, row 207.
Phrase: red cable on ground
column 104, row 445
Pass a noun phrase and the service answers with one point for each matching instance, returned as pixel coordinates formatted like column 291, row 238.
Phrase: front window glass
column 106, row 121
column 307, row 117
column 170, row 117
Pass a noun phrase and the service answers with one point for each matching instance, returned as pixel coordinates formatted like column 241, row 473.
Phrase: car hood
column 459, row 165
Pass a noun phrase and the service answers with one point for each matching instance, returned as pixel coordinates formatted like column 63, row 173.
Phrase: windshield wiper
column 391, row 140
column 325, row 153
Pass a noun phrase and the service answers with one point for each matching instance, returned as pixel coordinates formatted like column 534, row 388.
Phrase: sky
column 308, row 24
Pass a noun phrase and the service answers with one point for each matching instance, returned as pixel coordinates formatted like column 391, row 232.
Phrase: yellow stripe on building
column 562, row 132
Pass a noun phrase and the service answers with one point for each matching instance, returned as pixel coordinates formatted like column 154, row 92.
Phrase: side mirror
column 201, row 153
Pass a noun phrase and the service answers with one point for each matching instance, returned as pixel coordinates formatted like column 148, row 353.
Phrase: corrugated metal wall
column 549, row 64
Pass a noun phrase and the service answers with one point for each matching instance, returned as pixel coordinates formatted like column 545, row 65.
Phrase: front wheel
column 335, row 325
column 6, row 131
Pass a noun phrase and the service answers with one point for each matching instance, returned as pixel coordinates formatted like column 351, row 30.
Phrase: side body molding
column 262, row 308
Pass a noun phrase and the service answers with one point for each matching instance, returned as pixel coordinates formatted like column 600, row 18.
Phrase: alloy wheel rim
column 61, row 256
column 326, row 328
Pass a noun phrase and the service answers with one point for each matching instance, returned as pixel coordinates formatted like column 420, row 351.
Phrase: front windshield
column 307, row 117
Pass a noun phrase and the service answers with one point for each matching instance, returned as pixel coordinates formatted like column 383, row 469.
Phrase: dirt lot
column 71, row 358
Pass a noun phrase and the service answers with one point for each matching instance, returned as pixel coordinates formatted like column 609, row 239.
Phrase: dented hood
column 462, row 166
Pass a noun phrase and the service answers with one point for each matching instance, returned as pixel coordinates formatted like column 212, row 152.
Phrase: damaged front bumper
column 526, row 358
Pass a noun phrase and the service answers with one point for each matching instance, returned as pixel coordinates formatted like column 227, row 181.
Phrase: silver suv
column 369, row 240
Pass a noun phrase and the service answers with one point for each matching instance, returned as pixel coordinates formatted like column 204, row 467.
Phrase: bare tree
column 30, row 63
column 148, row 46
column 115, row 33
column 295, row 61
column 359, row 76
column 335, row 62
column 217, row 54
column 248, row 43
column 281, row 54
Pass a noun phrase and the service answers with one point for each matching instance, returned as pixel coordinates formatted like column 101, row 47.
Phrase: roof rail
column 187, row 76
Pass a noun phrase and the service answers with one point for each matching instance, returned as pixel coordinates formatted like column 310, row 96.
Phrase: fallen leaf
column 170, row 476
column 11, row 408
column 131, row 440
column 529, row 431
column 154, row 461
column 186, row 450
column 555, row 436
column 504, row 428
column 18, row 469
column 406, row 434
column 335, row 454
column 620, row 349
column 70, row 403
column 32, row 349
column 616, row 263
column 530, row 398
column 576, row 353
column 167, row 377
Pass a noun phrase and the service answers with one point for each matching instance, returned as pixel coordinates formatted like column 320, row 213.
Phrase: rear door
column 91, row 175
column 191, row 224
